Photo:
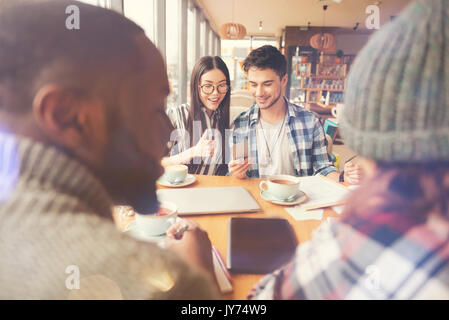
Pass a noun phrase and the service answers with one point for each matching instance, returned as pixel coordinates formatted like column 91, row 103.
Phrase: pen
column 350, row 159
column 180, row 231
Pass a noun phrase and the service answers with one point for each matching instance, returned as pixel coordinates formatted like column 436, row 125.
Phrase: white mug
column 157, row 224
column 336, row 110
column 281, row 186
column 176, row 173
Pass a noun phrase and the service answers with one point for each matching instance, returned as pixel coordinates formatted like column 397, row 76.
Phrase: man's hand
column 238, row 168
column 193, row 245
column 353, row 173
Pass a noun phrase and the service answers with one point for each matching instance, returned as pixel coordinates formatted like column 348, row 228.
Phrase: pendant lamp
column 232, row 30
column 323, row 41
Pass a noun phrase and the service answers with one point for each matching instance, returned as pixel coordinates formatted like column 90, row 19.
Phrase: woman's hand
column 205, row 147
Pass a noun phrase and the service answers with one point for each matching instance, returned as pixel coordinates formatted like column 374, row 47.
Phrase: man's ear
column 60, row 114
column 284, row 80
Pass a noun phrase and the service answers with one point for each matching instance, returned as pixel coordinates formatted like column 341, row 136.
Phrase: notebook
column 221, row 273
column 259, row 245
column 196, row 201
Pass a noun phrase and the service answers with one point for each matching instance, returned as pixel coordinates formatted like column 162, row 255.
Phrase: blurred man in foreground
column 83, row 127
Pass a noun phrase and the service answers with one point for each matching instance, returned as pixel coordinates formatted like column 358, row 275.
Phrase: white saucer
column 135, row 233
column 188, row 181
column 300, row 197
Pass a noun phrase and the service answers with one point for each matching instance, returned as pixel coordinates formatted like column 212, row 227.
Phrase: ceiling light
column 232, row 31
column 323, row 41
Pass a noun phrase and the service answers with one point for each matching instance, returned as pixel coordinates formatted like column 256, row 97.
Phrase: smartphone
column 240, row 150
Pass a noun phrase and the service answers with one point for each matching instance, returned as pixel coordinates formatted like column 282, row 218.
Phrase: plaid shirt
column 305, row 135
column 377, row 256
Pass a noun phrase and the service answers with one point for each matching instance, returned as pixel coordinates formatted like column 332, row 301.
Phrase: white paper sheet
column 321, row 192
column 299, row 214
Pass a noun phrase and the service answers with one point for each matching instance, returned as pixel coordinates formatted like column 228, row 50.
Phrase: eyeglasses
column 209, row 88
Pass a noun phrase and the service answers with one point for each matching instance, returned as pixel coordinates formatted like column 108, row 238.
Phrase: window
column 233, row 52
column 191, row 40
column 211, row 43
column 180, row 31
column 203, row 38
column 172, row 43
column 142, row 13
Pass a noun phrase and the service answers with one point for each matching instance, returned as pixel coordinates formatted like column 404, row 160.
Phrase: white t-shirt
column 272, row 142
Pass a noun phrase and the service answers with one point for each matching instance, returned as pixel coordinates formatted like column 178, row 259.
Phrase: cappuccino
column 176, row 173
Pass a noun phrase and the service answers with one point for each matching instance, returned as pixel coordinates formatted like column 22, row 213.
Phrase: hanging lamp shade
column 322, row 41
column 233, row 31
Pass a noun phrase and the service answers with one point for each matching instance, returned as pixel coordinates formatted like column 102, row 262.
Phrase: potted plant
column 339, row 55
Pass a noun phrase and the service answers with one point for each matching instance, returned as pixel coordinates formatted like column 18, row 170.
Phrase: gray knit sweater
column 56, row 224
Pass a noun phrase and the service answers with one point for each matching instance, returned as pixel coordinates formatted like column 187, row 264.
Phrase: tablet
column 259, row 245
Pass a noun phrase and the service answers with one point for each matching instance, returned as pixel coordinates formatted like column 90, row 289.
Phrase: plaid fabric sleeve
column 306, row 275
column 374, row 256
column 239, row 131
column 320, row 158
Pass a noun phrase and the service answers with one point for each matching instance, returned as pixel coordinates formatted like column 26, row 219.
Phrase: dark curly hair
column 266, row 57
column 36, row 47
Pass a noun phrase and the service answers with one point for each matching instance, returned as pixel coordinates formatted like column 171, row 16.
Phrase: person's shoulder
column 244, row 117
column 184, row 108
column 302, row 113
column 302, row 117
column 178, row 114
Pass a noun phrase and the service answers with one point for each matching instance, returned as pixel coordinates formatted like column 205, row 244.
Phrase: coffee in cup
column 281, row 187
column 175, row 173
column 156, row 224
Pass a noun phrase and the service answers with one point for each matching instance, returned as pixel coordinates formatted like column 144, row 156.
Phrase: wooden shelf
column 321, row 89
column 303, row 69
column 331, row 70
column 324, row 77
column 330, row 106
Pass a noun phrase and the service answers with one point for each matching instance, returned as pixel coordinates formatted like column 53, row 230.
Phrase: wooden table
column 217, row 225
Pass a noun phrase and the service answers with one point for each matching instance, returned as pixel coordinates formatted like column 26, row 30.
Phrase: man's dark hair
column 266, row 57
column 36, row 48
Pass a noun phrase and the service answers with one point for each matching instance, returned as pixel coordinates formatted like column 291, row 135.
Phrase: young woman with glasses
column 199, row 138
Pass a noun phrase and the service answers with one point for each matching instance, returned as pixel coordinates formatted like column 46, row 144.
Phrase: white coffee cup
column 176, row 173
column 281, row 186
column 158, row 223
column 337, row 109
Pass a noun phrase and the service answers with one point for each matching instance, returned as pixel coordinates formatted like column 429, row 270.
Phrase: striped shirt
column 181, row 140
column 308, row 145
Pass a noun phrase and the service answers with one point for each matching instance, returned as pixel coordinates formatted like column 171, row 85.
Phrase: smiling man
column 283, row 138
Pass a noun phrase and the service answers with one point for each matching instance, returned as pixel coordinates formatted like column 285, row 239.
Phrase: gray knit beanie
column 397, row 97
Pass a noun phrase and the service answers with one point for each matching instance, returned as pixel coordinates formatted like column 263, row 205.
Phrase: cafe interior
column 186, row 30
column 320, row 40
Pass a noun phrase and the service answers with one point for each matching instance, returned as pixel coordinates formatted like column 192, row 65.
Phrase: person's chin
column 265, row 105
column 138, row 192
column 212, row 106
